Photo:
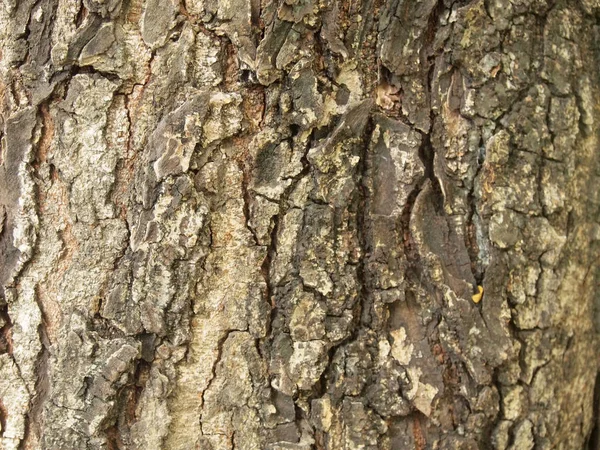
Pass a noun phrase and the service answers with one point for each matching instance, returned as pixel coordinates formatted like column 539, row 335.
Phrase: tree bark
column 299, row 224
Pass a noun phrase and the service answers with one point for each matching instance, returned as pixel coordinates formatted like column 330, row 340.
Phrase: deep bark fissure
column 362, row 226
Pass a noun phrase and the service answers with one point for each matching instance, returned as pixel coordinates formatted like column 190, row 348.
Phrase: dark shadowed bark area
column 299, row 224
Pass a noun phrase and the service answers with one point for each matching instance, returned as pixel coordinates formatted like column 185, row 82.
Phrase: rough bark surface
column 246, row 224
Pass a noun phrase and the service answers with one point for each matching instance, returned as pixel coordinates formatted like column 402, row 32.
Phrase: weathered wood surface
column 235, row 224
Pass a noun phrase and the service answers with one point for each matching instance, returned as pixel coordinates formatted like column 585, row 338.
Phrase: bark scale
column 235, row 224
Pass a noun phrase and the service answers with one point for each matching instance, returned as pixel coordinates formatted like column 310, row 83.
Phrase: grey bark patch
column 16, row 145
column 158, row 19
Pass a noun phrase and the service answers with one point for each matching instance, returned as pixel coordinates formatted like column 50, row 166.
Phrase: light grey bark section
column 244, row 224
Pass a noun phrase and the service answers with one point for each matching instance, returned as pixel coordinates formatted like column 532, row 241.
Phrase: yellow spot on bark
column 477, row 297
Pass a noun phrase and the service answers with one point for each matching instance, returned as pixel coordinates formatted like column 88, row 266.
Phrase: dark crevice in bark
column 3, row 417
column 427, row 156
column 411, row 252
column 232, row 441
column 74, row 69
column 320, row 387
column 257, row 25
column 471, row 231
column 126, row 402
column 81, row 15
column 247, row 200
column 5, row 332
column 265, row 267
column 362, row 228
column 473, row 246
column 594, row 439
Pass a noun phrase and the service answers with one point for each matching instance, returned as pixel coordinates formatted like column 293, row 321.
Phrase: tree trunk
column 299, row 224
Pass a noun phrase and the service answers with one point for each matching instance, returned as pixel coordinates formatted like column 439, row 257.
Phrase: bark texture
column 246, row 224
